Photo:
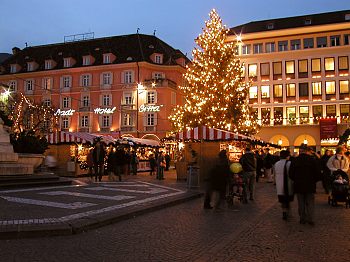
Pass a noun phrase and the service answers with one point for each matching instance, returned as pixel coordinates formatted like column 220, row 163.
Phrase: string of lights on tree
column 216, row 94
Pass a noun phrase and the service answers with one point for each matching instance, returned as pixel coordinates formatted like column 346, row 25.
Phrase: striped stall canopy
column 206, row 133
column 78, row 137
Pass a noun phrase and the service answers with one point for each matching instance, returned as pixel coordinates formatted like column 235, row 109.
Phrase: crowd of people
column 292, row 175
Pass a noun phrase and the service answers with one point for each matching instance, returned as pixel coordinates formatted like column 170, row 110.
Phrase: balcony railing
column 149, row 83
column 127, row 129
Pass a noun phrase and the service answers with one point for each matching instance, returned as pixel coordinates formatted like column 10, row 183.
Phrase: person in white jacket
column 338, row 162
column 284, row 185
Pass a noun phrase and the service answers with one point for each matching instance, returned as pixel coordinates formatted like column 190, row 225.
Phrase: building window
column 344, row 113
column 277, row 90
column 308, row 43
column 150, row 119
column 330, row 110
column 106, row 100
column 316, row 65
column 344, row 87
column 84, row 121
column 66, row 62
column 343, row 63
column 265, row 116
column 290, row 90
column 151, row 97
column 85, row 80
column 106, row 58
column 303, row 89
column 303, row 68
column 158, row 59
column 317, row 113
column 321, row 41
column 157, row 76
column 335, row 40
column 303, row 114
column 265, row 91
column 65, row 102
column 127, row 120
column 106, row 78
column 47, row 83
column 278, row 115
column 30, row 66
column 253, row 92
column 277, row 70
column 282, row 46
column 86, row 60
column 47, row 102
column 13, row 68
column 291, row 115
column 29, row 85
column 270, row 26
column 346, row 39
column 329, row 64
column 265, row 69
column 105, row 121
column 128, row 77
column 317, row 88
column 307, row 22
column 270, row 47
column 245, row 49
column 66, row 82
column 290, row 67
column 12, row 85
column 86, row 101
column 65, row 123
column 295, row 44
column 252, row 70
column 48, row 64
column 330, row 87
column 128, row 99
column 258, row 48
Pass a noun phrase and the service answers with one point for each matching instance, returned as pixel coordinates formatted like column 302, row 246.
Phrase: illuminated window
column 303, row 89
column 265, row 91
column 343, row 63
column 316, row 65
column 127, row 98
column 335, row 40
column 317, row 113
column 278, row 115
column 282, row 46
column 252, row 70
column 47, row 83
column 330, row 87
column 317, row 88
column 308, row 43
column 277, row 90
column 253, row 92
column 265, row 69
column 270, row 47
column 106, row 121
column 344, row 86
column 127, row 119
column 344, row 113
column 258, row 48
column 84, row 121
column 329, row 64
column 290, row 90
column 290, row 67
column 330, row 110
column 321, row 41
column 291, row 115
column 245, row 49
column 295, row 44
column 302, row 66
column 150, row 119
column 303, row 114
column 277, row 70
column 65, row 123
column 265, row 116
column 151, row 97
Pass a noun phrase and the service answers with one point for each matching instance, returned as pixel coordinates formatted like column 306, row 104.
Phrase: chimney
column 15, row 50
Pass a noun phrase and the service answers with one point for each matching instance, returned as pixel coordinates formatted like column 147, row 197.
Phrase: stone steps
column 25, row 181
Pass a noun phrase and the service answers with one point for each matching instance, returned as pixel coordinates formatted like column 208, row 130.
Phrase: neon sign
column 150, row 108
column 102, row 111
column 68, row 112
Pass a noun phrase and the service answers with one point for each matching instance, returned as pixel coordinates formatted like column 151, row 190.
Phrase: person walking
column 111, row 162
column 167, row 161
column 160, row 165
column 305, row 172
column 134, row 162
column 248, row 162
column 268, row 162
column 284, row 185
column 98, row 158
column 90, row 163
column 152, row 164
column 119, row 162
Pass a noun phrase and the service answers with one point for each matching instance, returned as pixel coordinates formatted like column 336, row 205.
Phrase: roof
column 292, row 22
column 4, row 56
column 139, row 47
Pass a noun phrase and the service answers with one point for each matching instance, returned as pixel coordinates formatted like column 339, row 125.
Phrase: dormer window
column 270, row 26
column 13, row 68
column 347, row 17
column 106, row 58
column 86, row 60
column 48, row 64
column 307, row 22
column 30, row 66
column 158, row 59
column 66, row 62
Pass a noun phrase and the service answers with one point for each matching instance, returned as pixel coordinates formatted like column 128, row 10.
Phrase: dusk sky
column 178, row 22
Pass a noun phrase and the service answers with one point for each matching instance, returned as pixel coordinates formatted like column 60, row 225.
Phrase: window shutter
column 101, row 79
column 155, row 97
column 81, row 80
column 132, row 77
column 111, row 73
column 155, row 119
column 122, row 78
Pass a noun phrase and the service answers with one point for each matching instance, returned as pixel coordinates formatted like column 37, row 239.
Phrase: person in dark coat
column 152, row 164
column 326, row 173
column 111, row 163
column 120, row 161
column 268, row 163
column 248, row 162
column 98, row 154
column 167, row 161
column 305, row 172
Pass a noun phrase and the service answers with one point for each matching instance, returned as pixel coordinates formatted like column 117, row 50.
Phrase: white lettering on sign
column 104, row 110
column 150, row 108
column 68, row 112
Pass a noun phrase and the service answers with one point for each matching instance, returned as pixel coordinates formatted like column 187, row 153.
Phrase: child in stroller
column 340, row 189
column 235, row 190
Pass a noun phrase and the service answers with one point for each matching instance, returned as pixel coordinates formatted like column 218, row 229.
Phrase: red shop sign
column 328, row 128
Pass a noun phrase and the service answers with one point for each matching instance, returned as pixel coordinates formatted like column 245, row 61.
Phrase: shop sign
column 68, row 112
column 328, row 128
column 150, row 108
column 102, row 111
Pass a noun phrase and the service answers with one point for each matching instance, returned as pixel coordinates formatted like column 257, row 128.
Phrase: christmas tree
column 216, row 94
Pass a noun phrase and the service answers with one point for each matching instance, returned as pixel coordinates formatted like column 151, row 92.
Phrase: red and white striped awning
column 206, row 133
column 77, row 137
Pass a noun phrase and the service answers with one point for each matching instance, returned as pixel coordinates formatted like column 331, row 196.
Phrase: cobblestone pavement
column 186, row 232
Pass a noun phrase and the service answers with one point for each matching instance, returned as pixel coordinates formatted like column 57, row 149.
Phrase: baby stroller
column 235, row 190
column 340, row 189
